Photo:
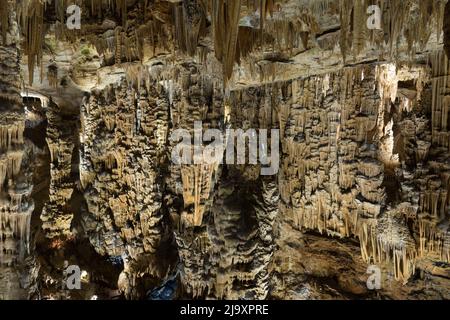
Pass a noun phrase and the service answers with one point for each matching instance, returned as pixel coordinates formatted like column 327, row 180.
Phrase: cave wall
column 16, row 205
column 364, row 148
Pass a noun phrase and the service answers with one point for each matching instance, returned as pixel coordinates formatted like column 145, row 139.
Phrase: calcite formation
column 121, row 171
column 61, row 141
column 16, row 205
column 90, row 121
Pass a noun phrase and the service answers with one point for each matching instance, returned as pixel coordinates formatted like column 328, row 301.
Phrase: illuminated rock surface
column 86, row 117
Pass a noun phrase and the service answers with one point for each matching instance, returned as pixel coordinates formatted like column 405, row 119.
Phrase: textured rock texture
column 16, row 205
column 87, row 118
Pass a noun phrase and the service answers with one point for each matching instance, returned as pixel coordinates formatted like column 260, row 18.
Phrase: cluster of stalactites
column 384, row 238
column 225, row 18
column 95, row 8
column 30, row 17
column 389, row 242
column 233, row 40
column 197, row 186
column 189, row 19
column 126, row 42
column 14, row 235
column 11, row 140
column 433, row 240
column 413, row 20
column 11, row 134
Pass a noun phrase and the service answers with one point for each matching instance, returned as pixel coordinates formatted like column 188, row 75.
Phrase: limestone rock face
column 16, row 204
column 353, row 95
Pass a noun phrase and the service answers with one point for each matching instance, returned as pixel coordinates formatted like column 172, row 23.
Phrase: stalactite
column 121, row 9
column 31, row 16
column 14, row 163
column 346, row 7
column 11, row 134
column 446, row 27
column 189, row 20
column 359, row 30
column 433, row 240
column 197, row 184
column 399, row 18
column 439, row 14
column 4, row 18
column 283, row 116
column 225, row 21
column 265, row 7
column 395, row 246
column 397, row 14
